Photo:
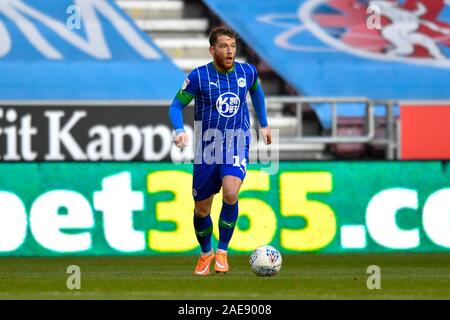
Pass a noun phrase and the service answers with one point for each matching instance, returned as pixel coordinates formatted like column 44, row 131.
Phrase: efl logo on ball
column 265, row 261
column 228, row 104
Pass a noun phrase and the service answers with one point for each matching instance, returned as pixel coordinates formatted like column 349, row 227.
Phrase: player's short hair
column 220, row 31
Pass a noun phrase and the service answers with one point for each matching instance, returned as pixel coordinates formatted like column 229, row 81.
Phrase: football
column 265, row 261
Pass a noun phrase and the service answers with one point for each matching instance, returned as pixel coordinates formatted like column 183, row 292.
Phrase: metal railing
column 390, row 141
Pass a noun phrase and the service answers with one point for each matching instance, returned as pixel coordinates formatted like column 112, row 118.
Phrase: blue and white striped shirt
column 220, row 101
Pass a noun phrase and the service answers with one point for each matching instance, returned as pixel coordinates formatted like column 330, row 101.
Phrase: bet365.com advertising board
column 51, row 209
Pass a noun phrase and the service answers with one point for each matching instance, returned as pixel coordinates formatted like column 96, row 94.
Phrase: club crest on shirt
column 228, row 104
column 241, row 82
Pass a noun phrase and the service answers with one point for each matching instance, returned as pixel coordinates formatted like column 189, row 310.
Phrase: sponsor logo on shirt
column 228, row 104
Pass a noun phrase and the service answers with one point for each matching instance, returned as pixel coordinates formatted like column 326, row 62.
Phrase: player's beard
column 224, row 63
column 228, row 63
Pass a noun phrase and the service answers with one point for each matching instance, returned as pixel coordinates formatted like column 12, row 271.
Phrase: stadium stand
column 53, row 60
column 181, row 28
column 301, row 50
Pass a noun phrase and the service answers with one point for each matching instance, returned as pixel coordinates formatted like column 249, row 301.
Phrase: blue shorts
column 207, row 178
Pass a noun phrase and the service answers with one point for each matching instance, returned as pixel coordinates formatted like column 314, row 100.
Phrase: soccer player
column 219, row 89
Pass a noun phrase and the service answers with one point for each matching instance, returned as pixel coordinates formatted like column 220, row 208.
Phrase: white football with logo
column 265, row 261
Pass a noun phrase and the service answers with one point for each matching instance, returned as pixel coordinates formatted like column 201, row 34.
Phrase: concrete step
column 283, row 122
column 290, row 151
column 188, row 64
column 184, row 47
column 139, row 9
column 176, row 34
column 197, row 26
column 289, row 146
column 286, row 126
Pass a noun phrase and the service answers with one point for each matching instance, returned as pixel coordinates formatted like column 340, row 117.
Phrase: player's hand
column 181, row 140
column 267, row 135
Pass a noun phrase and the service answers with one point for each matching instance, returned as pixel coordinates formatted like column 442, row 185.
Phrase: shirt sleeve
column 176, row 115
column 188, row 91
column 258, row 99
column 259, row 104
column 255, row 78
column 190, row 88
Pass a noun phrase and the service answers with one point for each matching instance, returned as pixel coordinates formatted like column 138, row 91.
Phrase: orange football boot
column 221, row 264
column 202, row 268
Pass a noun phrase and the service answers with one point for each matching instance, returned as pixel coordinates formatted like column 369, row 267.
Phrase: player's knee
column 202, row 211
column 230, row 197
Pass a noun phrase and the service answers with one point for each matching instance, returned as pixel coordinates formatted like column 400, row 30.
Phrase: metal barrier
column 390, row 142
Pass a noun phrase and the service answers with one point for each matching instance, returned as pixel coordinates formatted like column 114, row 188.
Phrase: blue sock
column 227, row 222
column 203, row 230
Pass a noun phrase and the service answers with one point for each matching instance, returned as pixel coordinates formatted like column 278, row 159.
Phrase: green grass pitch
column 304, row 276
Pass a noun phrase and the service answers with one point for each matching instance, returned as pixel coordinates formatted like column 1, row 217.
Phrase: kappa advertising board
column 53, row 209
column 89, row 133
